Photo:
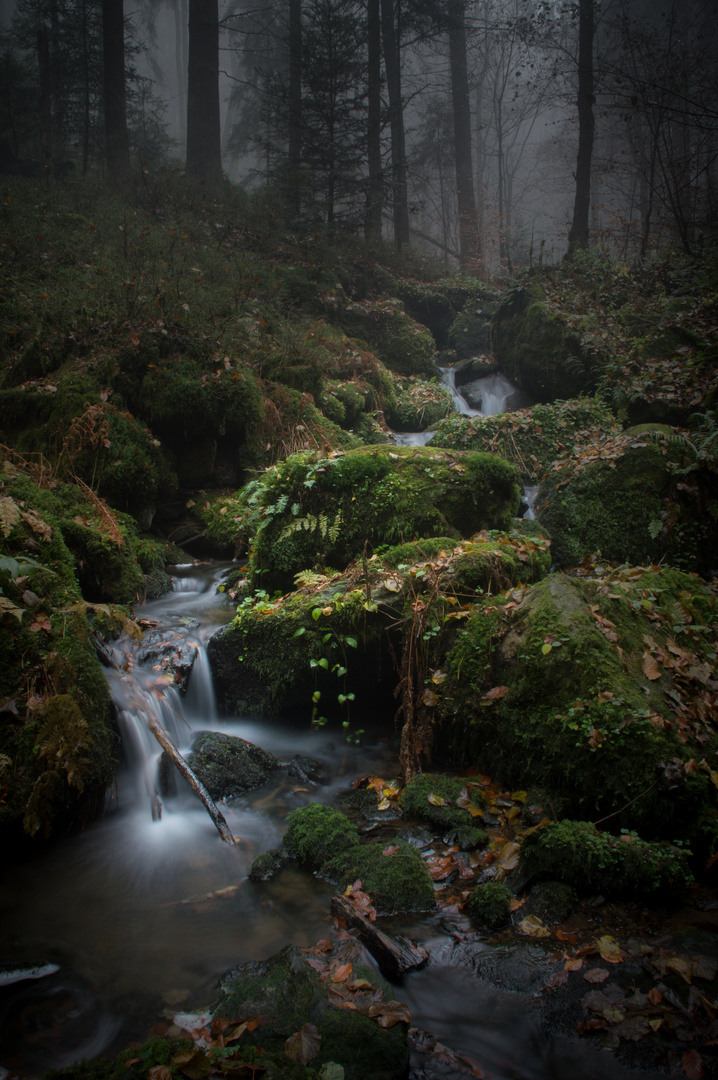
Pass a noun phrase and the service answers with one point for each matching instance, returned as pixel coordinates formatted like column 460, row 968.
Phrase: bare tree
column 579, row 232
column 204, row 148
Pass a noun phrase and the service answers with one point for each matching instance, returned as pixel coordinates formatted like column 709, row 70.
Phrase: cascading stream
column 494, row 390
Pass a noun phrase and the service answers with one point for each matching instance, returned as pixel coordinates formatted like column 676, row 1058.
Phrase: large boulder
column 538, row 350
column 331, row 645
column 596, row 689
column 631, row 498
column 532, row 437
column 312, row 511
column 292, row 992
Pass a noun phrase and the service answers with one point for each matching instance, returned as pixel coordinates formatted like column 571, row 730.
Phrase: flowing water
column 112, row 931
column 120, row 920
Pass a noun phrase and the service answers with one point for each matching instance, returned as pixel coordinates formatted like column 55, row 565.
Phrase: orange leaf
column 650, row 667
column 342, row 973
column 692, row 1063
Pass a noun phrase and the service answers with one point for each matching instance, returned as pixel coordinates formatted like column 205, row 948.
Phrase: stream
column 111, row 932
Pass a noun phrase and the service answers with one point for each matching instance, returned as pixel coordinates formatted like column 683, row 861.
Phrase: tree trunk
column 294, row 157
column 468, row 225
column 579, row 233
column 372, row 227
column 43, row 56
column 204, row 148
column 180, row 15
column 117, row 143
column 400, row 198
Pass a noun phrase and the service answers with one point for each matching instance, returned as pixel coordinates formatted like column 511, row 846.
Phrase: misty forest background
column 493, row 134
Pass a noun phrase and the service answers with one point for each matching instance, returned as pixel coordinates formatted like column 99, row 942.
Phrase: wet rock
column 267, row 865
column 229, row 766
column 170, row 652
column 490, row 904
column 551, row 901
column 286, row 992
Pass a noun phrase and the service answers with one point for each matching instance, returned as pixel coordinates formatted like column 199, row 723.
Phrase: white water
column 495, row 390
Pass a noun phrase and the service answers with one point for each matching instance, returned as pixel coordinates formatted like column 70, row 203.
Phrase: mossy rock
column 399, row 341
column 267, row 865
column 420, row 404
column 576, row 712
column 299, row 654
column 287, row 993
column 490, row 904
column 315, row 833
column 537, row 350
column 229, row 766
column 434, row 798
column 470, row 332
column 594, row 862
column 310, row 510
column 531, row 438
column 551, row 901
column 630, row 502
column 394, row 876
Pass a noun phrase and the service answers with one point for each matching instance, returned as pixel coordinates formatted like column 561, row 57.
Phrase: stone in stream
column 229, row 766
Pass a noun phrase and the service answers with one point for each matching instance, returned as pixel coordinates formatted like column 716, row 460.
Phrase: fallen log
column 394, row 955
column 197, row 786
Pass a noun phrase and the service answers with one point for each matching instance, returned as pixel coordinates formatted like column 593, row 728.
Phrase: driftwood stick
column 394, row 955
column 197, row 786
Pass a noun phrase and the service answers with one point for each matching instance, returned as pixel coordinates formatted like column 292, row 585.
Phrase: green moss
column 394, row 876
column 311, row 511
column 632, row 506
column 579, row 717
column 577, row 853
column 419, row 405
column 434, row 798
column 538, row 350
column 267, row 865
column 400, row 342
column 287, row 993
column 315, row 833
column 490, row 904
column 531, row 438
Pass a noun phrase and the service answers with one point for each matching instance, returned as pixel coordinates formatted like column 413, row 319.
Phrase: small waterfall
column 462, row 406
column 494, row 391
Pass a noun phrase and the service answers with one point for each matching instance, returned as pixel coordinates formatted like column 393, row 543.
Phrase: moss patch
column 394, row 876
column 310, row 511
column 577, row 853
column 490, row 905
column 315, row 833
column 552, row 687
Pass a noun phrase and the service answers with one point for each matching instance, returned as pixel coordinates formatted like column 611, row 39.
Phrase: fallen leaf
column 533, row 926
column 574, row 963
column 609, row 949
column 304, row 1045
column 650, row 667
column 596, row 975
column 436, row 800
column 342, row 973
column 692, row 1063
column 388, row 1013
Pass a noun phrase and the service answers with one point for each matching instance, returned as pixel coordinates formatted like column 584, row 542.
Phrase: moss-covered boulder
column 587, row 685
column 490, row 904
column 315, row 833
column 328, row 650
column 537, row 349
column 631, row 498
column 534, row 438
column 403, row 344
column 394, row 876
column 287, row 992
column 227, row 765
column 312, row 511
column 438, row 799
column 420, row 404
column 595, row 862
